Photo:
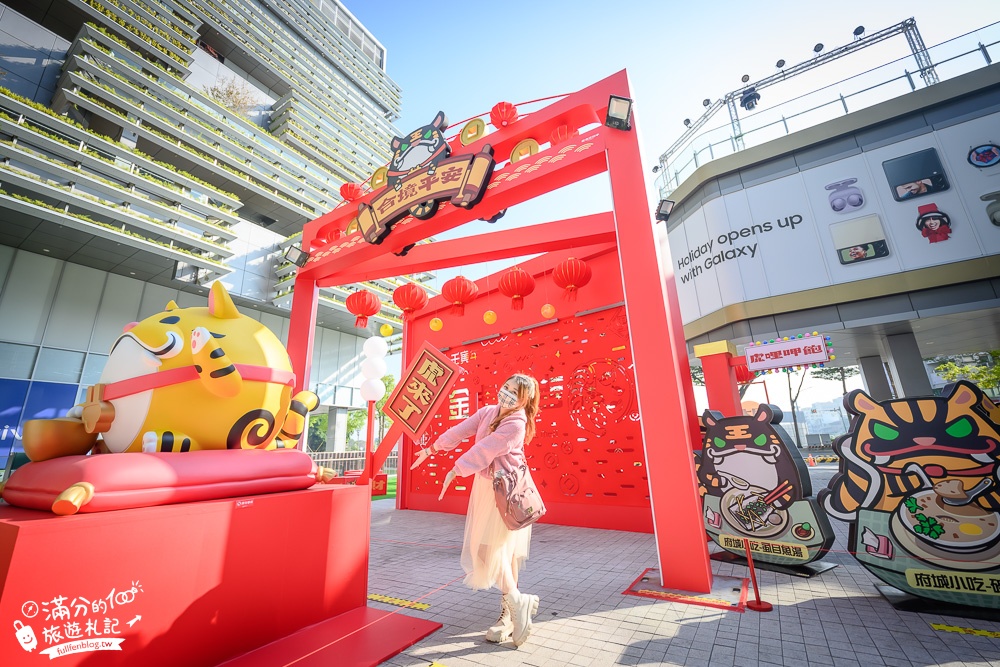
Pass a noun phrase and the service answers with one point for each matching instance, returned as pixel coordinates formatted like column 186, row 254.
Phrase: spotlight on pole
column 779, row 64
column 663, row 210
column 619, row 113
column 297, row 256
column 687, row 122
column 706, row 102
column 818, row 48
column 860, row 30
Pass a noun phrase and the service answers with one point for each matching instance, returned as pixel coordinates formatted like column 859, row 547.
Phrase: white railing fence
column 343, row 461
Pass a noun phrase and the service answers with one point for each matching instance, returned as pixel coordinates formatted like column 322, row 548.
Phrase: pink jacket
column 506, row 444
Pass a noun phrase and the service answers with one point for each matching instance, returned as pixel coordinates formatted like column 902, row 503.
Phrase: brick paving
column 836, row 619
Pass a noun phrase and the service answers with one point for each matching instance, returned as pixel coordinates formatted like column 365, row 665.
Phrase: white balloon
column 376, row 346
column 374, row 367
column 372, row 389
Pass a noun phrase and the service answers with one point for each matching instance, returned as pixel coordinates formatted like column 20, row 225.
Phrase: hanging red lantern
column 743, row 374
column 351, row 191
column 363, row 304
column 561, row 134
column 571, row 274
column 517, row 284
column 459, row 291
column 410, row 297
column 503, row 114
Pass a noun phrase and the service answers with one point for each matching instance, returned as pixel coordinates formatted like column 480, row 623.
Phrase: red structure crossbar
column 666, row 401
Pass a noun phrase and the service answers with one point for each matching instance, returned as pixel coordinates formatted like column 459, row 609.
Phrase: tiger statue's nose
column 925, row 442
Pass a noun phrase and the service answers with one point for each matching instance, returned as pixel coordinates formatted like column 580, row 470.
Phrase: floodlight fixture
column 297, row 256
column 663, row 209
column 745, row 78
column 656, row 168
column 860, row 30
column 619, row 113
column 705, row 102
column 687, row 122
column 749, row 98
column 818, row 48
column 779, row 64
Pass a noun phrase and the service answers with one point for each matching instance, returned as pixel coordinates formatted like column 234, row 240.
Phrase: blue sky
column 464, row 57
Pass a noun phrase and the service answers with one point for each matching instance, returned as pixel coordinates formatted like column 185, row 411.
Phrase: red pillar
column 657, row 334
column 301, row 328
column 720, row 377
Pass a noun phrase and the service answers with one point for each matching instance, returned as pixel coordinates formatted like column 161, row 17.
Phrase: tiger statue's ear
column 764, row 413
column 171, row 305
column 220, row 304
column 711, row 417
column 859, row 402
column 964, row 393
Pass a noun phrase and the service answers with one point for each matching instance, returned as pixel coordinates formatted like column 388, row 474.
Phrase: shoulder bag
column 516, row 496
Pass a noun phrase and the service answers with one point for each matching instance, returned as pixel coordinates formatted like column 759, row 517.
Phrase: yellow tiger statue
column 181, row 380
column 898, row 447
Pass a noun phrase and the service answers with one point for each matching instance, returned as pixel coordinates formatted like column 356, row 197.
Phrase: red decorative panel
column 587, row 455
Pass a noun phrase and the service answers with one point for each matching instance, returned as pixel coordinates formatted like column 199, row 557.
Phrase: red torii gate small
column 666, row 400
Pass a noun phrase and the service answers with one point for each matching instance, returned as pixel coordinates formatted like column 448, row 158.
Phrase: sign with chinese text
column 422, row 391
column 764, row 548
column 785, row 353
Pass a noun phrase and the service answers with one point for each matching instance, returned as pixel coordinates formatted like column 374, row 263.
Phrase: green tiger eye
column 884, row 432
column 960, row 429
column 760, row 440
column 719, row 442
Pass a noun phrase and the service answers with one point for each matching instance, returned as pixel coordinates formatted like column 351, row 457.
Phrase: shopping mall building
column 125, row 184
column 879, row 226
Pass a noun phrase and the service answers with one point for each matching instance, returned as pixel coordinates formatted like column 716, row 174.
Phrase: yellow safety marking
column 678, row 596
column 436, row 664
column 940, row 627
column 399, row 602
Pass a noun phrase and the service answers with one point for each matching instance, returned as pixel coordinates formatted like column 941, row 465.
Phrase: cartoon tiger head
column 897, row 447
column 424, row 146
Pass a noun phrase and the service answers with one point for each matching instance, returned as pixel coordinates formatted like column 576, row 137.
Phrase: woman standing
column 492, row 555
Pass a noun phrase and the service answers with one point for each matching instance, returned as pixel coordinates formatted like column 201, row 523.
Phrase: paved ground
column 837, row 618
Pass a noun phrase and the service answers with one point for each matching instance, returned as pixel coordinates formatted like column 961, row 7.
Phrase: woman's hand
column 423, row 454
column 448, row 479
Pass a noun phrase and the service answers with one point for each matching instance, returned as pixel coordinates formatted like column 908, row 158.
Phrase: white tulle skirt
column 489, row 547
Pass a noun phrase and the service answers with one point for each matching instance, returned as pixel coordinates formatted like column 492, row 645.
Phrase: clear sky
column 464, row 57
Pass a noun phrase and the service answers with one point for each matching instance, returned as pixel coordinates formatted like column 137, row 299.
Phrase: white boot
column 522, row 608
column 504, row 627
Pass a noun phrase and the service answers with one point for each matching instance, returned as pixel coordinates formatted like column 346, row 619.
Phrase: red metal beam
column 546, row 237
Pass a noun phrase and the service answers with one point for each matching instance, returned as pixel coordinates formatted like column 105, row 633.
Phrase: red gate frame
column 666, row 399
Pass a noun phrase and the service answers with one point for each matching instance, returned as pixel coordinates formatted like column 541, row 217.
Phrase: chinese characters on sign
column 785, row 353
column 79, row 624
column 764, row 547
column 421, row 391
column 961, row 582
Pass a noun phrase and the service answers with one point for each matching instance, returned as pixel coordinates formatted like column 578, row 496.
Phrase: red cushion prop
column 140, row 479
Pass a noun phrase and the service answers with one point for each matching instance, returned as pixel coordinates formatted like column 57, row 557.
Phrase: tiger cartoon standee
column 425, row 146
column 918, row 483
column 180, row 381
column 755, row 484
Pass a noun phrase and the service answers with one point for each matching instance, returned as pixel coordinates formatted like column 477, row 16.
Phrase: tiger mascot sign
column 918, row 483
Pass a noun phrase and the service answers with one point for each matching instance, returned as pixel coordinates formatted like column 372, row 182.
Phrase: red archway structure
column 666, row 401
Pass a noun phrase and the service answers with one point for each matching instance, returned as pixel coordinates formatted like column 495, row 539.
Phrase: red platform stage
column 197, row 584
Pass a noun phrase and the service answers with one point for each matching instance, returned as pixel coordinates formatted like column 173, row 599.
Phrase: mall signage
column 420, row 175
column 801, row 350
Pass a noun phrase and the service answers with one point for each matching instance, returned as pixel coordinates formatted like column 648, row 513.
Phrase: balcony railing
column 952, row 58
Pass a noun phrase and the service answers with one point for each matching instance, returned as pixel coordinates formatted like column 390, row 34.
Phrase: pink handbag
column 516, row 496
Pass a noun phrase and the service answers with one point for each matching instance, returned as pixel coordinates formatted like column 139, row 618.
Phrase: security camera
column 845, row 196
column 993, row 208
column 749, row 98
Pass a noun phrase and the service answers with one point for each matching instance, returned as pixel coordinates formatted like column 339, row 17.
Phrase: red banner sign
column 785, row 353
column 422, row 391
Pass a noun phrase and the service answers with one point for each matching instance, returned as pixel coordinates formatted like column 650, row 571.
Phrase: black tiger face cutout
column 420, row 148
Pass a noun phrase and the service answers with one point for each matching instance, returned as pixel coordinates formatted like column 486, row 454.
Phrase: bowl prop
column 178, row 383
column 755, row 485
column 918, row 484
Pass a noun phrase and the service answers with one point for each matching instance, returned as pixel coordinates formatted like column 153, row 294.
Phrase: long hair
column 527, row 398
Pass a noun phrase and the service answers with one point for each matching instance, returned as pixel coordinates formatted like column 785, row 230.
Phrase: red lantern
column 503, row 114
column 517, row 284
column 363, row 304
column 459, row 291
column 561, row 134
column 410, row 297
column 743, row 374
column 351, row 191
column 571, row 274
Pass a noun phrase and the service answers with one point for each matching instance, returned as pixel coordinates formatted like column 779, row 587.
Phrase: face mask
column 506, row 399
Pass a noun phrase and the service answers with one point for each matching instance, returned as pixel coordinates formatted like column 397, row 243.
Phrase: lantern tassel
column 569, row 294
column 458, row 308
column 361, row 322
column 517, row 303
